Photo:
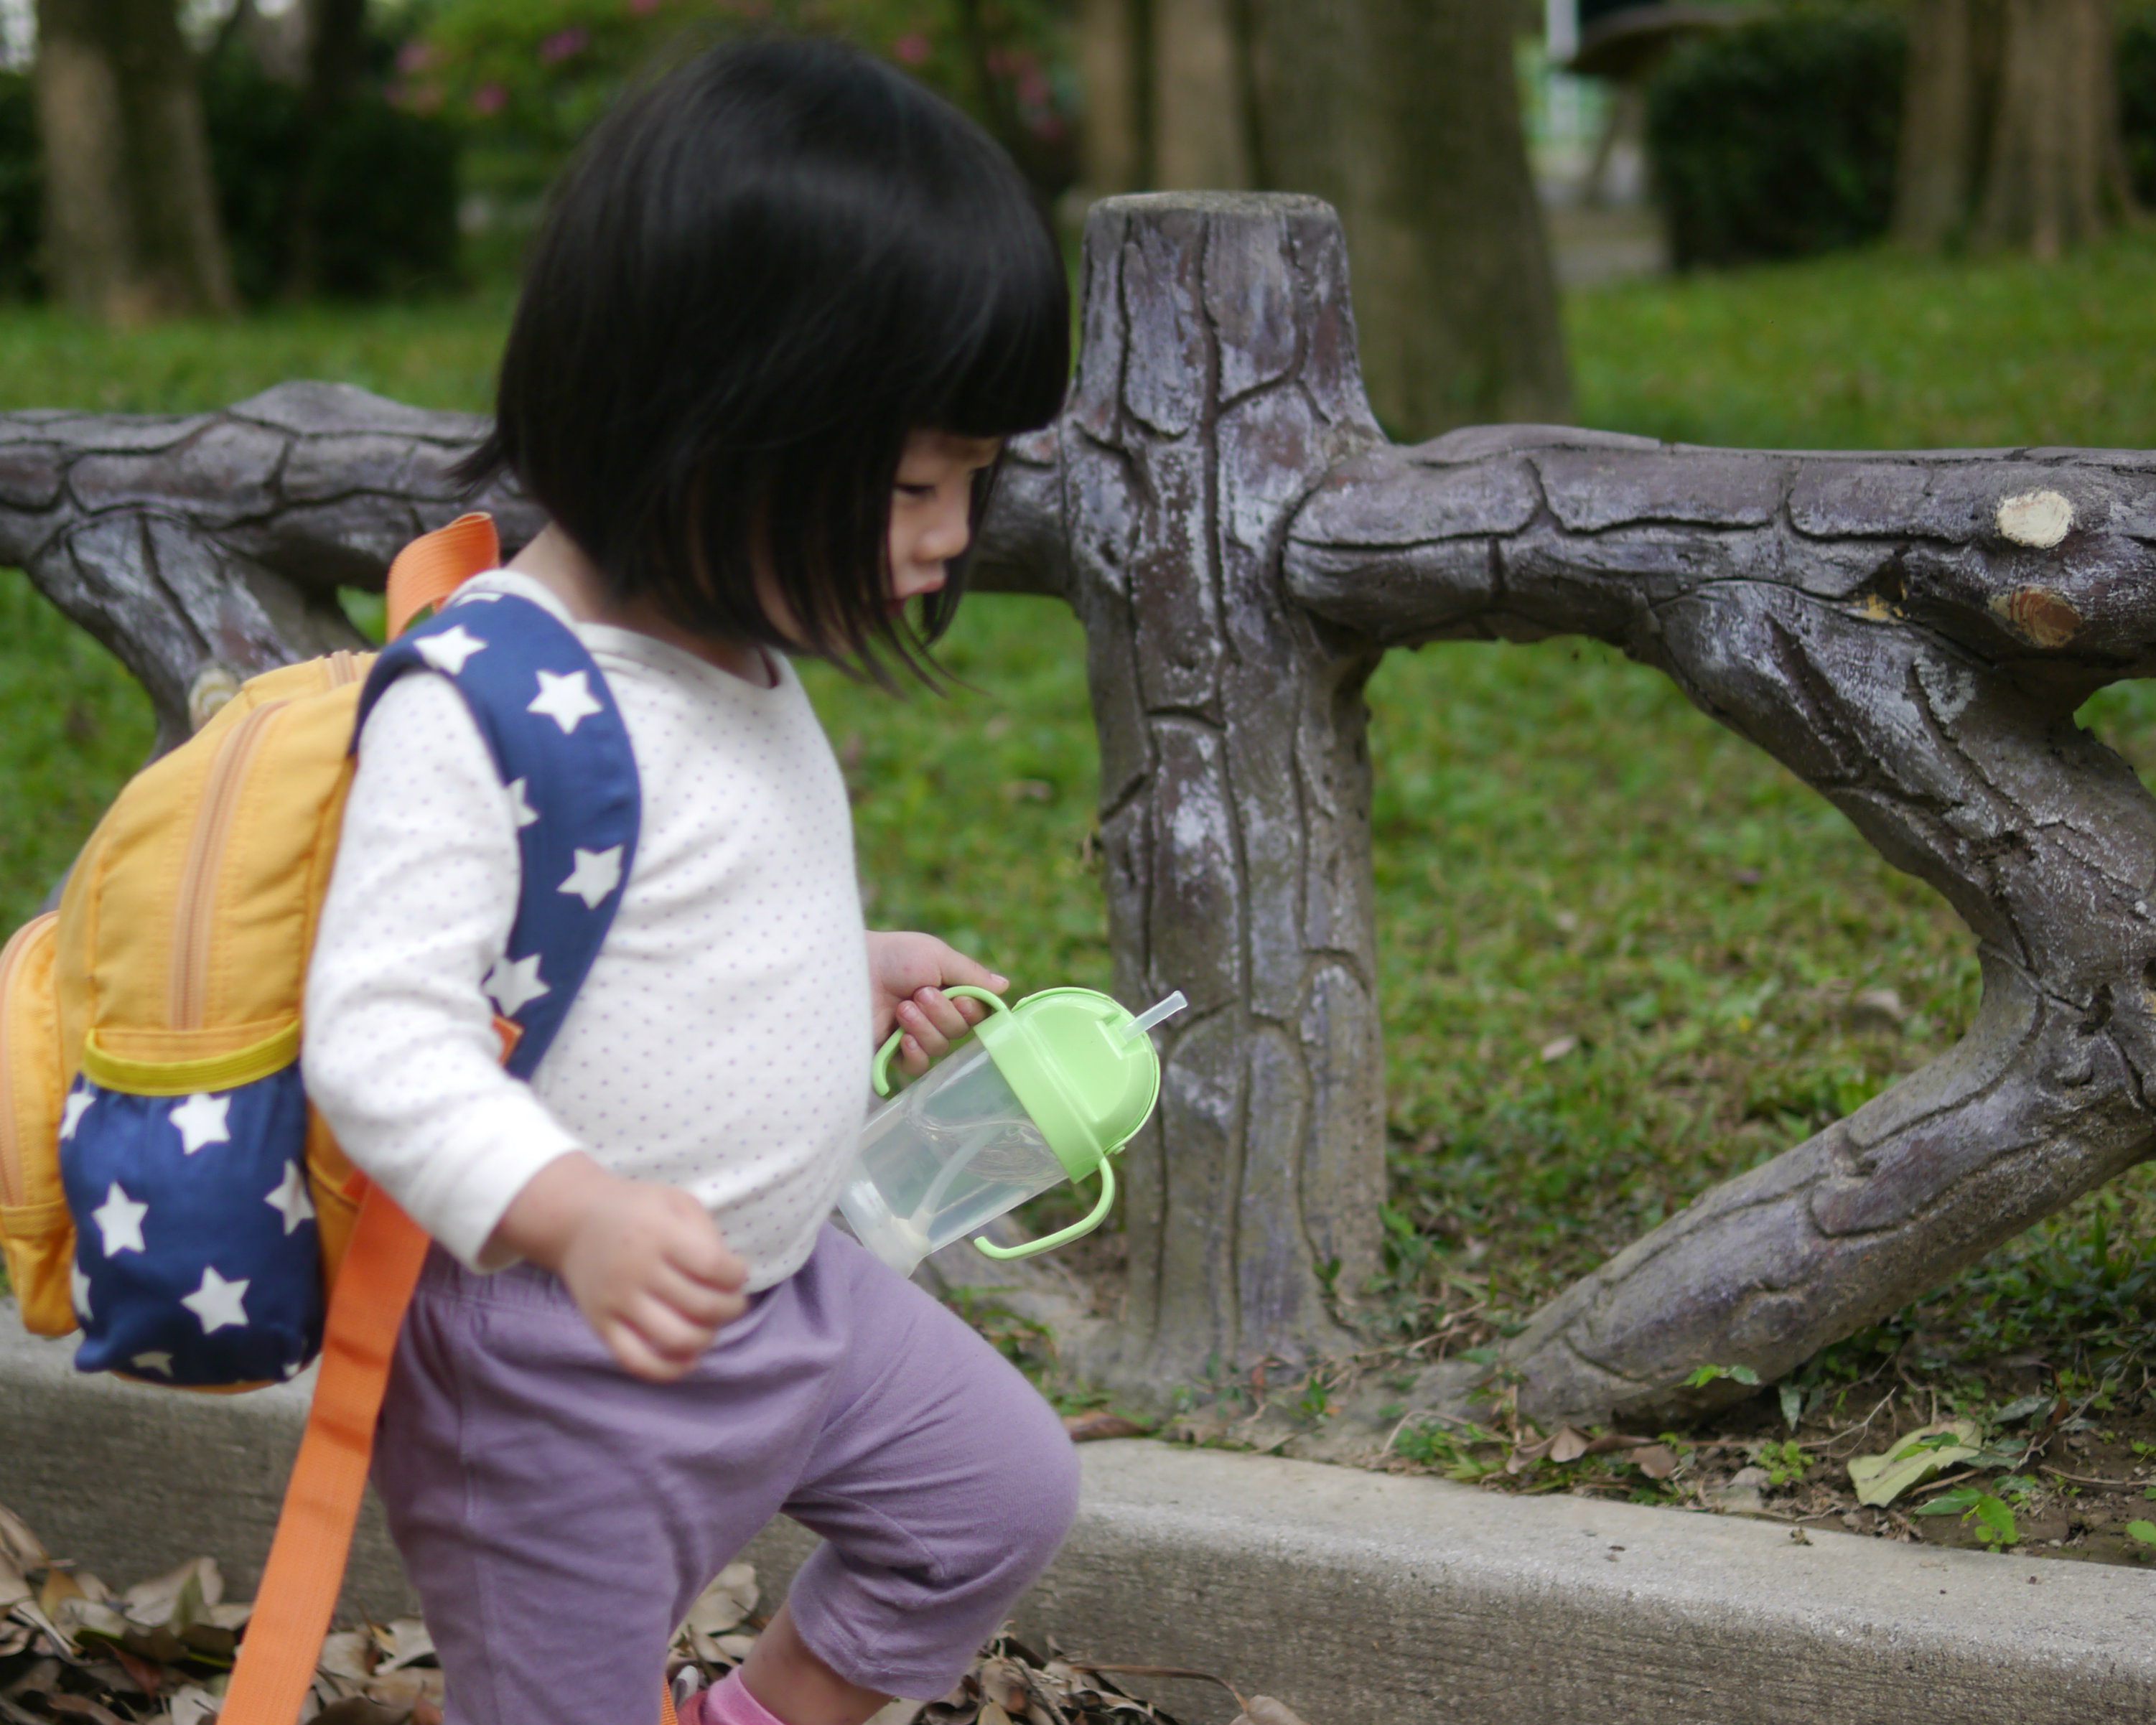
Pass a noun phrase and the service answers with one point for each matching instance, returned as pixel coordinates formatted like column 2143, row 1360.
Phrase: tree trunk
column 131, row 210
column 2009, row 126
column 1201, row 111
column 1405, row 116
column 1951, row 84
column 336, row 59
column 2058, row 170
column 1115, row 60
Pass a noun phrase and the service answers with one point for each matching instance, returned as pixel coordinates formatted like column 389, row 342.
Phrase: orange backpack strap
column 305, row 1571
column 436, row 564
column 301, row 1580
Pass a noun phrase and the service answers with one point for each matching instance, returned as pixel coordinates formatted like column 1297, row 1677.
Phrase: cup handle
column 1062, row 1236
column 879, row 1073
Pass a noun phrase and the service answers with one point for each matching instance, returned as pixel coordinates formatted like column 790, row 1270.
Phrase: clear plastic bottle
column 1049, row 1089
column 952, row 1152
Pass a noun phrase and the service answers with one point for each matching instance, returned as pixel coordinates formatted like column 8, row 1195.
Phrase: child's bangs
column 1006, row 355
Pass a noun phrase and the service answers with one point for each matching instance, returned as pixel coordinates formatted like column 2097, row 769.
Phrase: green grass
column 1566, row 853
column 439, row 354
column 1874, row 350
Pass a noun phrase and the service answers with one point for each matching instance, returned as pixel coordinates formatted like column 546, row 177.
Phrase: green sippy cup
column 1049, row 1089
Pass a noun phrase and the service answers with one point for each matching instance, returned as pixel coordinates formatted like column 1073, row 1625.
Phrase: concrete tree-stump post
column 1911, row 635
column 1216, row 383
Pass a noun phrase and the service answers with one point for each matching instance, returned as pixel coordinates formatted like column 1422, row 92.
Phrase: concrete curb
column 1358, row 1599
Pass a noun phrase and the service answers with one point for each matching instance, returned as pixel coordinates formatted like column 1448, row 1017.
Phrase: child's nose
column 949, row 532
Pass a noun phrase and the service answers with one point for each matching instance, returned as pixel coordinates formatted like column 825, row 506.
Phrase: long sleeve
column 400, row 1052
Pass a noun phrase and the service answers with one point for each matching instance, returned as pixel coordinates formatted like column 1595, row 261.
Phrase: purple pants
column 558, row 1516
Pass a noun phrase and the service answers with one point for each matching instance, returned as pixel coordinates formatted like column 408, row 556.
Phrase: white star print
column 161, row 1363
column 513, row 983
column 78, row 1105
column 519, row 804
column 119, row 1219
column 474, row 599
column 79, row 1287
column 216, row 1301
column 200, row 1120
column 598, row 872
column 291, row 1199
column 449, row 651
column 567, row 700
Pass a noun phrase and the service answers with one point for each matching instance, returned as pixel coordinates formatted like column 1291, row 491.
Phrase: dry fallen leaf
column 1567, row 1445
column 402, row 1641
column 1264, row 1710
column 20, row 1547
column 81, row 1706
column 723, row 1605
column 13, row 1584
column 155, row 1603
column 401, row 1691
column 1089, row 1427
column 348, row 1655
column 190, row 1705
column 1658, row 1461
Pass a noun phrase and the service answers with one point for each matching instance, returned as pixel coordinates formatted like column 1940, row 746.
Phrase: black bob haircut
column 761, row 274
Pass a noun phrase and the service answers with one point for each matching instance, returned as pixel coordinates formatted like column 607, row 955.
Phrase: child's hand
column 906, row 972
column 644, row 1262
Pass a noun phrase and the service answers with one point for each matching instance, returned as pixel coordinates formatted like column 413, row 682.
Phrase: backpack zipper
column 198, row 897
column 13, row 1189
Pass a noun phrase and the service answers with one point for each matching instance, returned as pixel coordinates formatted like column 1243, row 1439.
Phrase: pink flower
column 489, row 99
column 1033, row 87
column 913, row 49
column 564, row 44
column 415, row 56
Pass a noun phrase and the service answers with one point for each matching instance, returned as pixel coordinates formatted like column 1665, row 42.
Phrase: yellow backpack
column 177, row 960
column 170, row 982
column 176, row 963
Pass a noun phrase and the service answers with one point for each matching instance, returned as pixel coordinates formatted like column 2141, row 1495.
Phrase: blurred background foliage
column 1777, row 139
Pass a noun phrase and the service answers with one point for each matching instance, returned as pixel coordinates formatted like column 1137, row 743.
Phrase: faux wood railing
column 1910, row 634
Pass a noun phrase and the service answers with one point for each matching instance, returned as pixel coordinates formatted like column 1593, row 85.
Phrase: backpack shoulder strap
column 559, row 743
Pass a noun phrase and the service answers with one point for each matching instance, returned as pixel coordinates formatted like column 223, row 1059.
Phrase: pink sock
column 727, row 1702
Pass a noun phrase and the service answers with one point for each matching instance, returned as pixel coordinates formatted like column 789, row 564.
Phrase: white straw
column 1152, row 1015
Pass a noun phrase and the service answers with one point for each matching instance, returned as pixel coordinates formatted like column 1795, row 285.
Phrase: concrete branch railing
column 1911, row 635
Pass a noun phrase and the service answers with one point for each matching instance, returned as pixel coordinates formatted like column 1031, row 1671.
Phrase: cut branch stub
column 1911, row 635
column 1216, row 383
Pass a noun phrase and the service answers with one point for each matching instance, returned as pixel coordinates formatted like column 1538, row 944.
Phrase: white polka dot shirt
column 721, row 1043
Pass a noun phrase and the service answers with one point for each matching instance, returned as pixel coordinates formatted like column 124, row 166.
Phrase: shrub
column 388, row 185
column 20, row 275
column 527, row 78
column 1776, row 139
column 2136, row 97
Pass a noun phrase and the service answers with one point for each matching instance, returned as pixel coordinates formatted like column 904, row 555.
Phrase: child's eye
column 907, row 490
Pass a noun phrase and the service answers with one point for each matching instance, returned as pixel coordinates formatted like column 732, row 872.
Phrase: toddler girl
column 784, row 310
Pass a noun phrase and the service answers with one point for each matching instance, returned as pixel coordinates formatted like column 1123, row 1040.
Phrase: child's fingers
column 932, row 1034
column 669, row 1333
column 637, row 1358
column 698, row 1300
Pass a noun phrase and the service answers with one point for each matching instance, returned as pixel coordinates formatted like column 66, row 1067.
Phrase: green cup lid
column 1081, row 1065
